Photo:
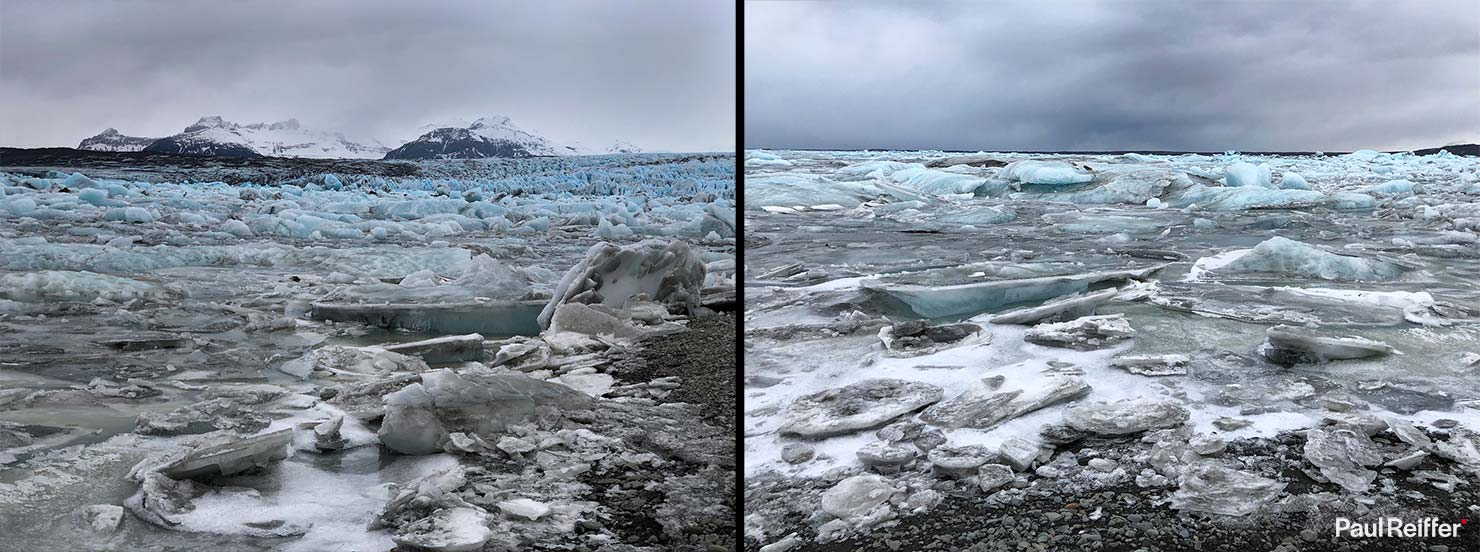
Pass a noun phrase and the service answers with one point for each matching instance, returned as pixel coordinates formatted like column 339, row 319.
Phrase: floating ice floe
column 1288, row 346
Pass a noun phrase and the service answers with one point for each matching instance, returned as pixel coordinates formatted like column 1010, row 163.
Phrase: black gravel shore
column 704, row 360
column 1066, row 514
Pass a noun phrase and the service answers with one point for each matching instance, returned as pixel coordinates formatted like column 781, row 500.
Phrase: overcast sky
column 657, row 73
column 1123, row 74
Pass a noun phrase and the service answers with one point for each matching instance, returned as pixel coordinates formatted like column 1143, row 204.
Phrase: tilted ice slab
column 936, row 301
column 1290, row 305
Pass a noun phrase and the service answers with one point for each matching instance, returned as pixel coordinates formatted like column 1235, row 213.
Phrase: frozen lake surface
column 987, row 328
column 198, row 354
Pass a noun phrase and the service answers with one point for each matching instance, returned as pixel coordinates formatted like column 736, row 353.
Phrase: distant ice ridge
column 889, row 181
column 692, row 200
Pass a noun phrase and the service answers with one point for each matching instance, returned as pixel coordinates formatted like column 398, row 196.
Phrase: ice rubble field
column 123, row 296
column 1368, row 260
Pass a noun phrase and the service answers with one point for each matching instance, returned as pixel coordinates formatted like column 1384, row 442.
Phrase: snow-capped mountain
column 494, row 136
column 112, row 140
column 621, row 146
column 214, row 136
column 485, row 137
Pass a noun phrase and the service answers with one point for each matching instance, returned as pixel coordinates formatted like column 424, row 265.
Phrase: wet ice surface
column 1367, row 261
column 141, row 316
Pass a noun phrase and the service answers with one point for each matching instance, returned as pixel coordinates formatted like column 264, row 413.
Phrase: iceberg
column 611, row 276
column 1246, row 174
column 1044, row 173
column 1286, row 257
column 939, row 182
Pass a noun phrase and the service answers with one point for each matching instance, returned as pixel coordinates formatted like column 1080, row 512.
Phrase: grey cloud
column 1133, row 74
column 660, row 74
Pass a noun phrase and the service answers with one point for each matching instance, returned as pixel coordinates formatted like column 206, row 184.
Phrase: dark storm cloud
column 1123, row 74
column 660, row 74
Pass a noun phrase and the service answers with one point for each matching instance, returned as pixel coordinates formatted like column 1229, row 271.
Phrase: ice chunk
column 792, row 190
column 64, row 285
column 979, row 216
column 856, row 497
column 883, row 457
column 447, row 530
column 524, row 508
column 340, row 359
column 102, row 519
column 1126, row 416
column 1149, row 365
column 939, row 182
column 762, row 158
column 918, row 337
column 225, row 455
column 611, row 275
column 1045, row 173
column 959, row 461
column 1019, row 453
column 21, row 206
column 932, row 301
column 583, row 319
column 1221, row 198
column 487, row 318
column 1131, row 187
column 1341, row 455
column 419, row 417
column 1396, row 188
column 1287, row 257
column 1293, row 181
column 1210, row 488
column 1287, row 346
column 863, row 405
column 451, row 348
column 1086, row 333
column 987, row 404
column 236, row 228
column 1062, row 309
column 1246, row 174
